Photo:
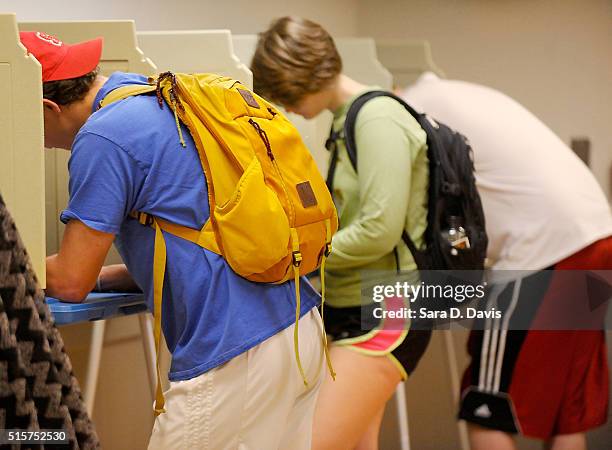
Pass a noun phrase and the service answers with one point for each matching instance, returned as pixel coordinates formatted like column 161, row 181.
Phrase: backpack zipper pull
column 264, row 138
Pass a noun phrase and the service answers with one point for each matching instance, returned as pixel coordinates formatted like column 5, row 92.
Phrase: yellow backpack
column 271, row 215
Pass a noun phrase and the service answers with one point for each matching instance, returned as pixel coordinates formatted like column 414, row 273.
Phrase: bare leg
column 576, row 441
column 487, row 439
column 347, row 408
column 369, row 440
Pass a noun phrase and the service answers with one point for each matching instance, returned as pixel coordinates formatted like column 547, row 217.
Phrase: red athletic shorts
column 540, row 382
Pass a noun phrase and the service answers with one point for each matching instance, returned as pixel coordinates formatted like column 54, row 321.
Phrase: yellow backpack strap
column 204, row 238
column 138, row 89
column 297, row 260
column 159, row 270
column 125, row 92
column 328, row 249
column 159, row 254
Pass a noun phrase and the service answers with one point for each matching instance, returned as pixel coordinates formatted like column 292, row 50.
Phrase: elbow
column 386, row 246
column 386, row 242
column 73, row 292
column 375, row 247
column 382, row 234
column 74, row 295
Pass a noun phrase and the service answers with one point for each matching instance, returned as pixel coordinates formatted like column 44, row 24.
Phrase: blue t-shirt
column 128, row 157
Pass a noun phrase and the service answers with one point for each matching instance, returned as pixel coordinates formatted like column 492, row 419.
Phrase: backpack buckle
column 330, row 142
column 297, row 258
column 145, row 219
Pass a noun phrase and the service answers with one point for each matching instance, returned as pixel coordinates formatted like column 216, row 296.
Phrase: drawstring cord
column 328, row 249
column 297, row 260
column 178, row 124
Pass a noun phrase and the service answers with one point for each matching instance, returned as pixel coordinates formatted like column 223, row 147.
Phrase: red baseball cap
column 61, row 61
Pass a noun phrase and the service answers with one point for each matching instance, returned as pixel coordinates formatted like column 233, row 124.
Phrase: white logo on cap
column 49, row 39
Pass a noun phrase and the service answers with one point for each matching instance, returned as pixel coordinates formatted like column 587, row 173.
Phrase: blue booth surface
column 97, row 306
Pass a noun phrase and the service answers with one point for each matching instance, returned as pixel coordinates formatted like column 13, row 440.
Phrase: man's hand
column 72, row 273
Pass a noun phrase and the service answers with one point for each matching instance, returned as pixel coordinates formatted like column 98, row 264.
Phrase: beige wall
column 240, row 16
column 554, row 56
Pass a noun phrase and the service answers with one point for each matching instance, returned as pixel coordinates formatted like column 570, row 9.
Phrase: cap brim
column 80, row 59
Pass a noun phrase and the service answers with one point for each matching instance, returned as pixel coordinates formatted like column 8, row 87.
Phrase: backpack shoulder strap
column 351, row 119
column 348, row 134
column 351, row 147
column 199, row 237
column 125, row 92
column 331, row 146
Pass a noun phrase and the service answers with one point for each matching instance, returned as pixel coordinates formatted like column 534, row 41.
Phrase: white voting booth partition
column 360, row 62
column 120, row 52
column 406, row 60
column 195, row 51
column 22, row 161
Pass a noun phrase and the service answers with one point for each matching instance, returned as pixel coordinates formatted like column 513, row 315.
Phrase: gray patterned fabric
column 37, row 387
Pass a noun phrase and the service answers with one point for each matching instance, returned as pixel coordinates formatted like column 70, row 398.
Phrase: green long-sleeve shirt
column 388, row 195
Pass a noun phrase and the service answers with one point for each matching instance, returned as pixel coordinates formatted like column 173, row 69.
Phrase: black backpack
column 452, row 190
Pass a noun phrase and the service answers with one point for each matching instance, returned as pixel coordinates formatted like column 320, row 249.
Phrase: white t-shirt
column 541, row 203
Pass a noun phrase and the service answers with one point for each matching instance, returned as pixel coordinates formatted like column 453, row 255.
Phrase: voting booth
column 120, row 52
column 195, row 51
column 22, row 159
column 360, row 61
column 406, row 59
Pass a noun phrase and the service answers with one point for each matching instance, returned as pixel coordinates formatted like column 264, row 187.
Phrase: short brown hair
column 64, row 92
column 294, row 57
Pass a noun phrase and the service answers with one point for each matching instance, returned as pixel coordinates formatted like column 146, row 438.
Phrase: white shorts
column 255, row 401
